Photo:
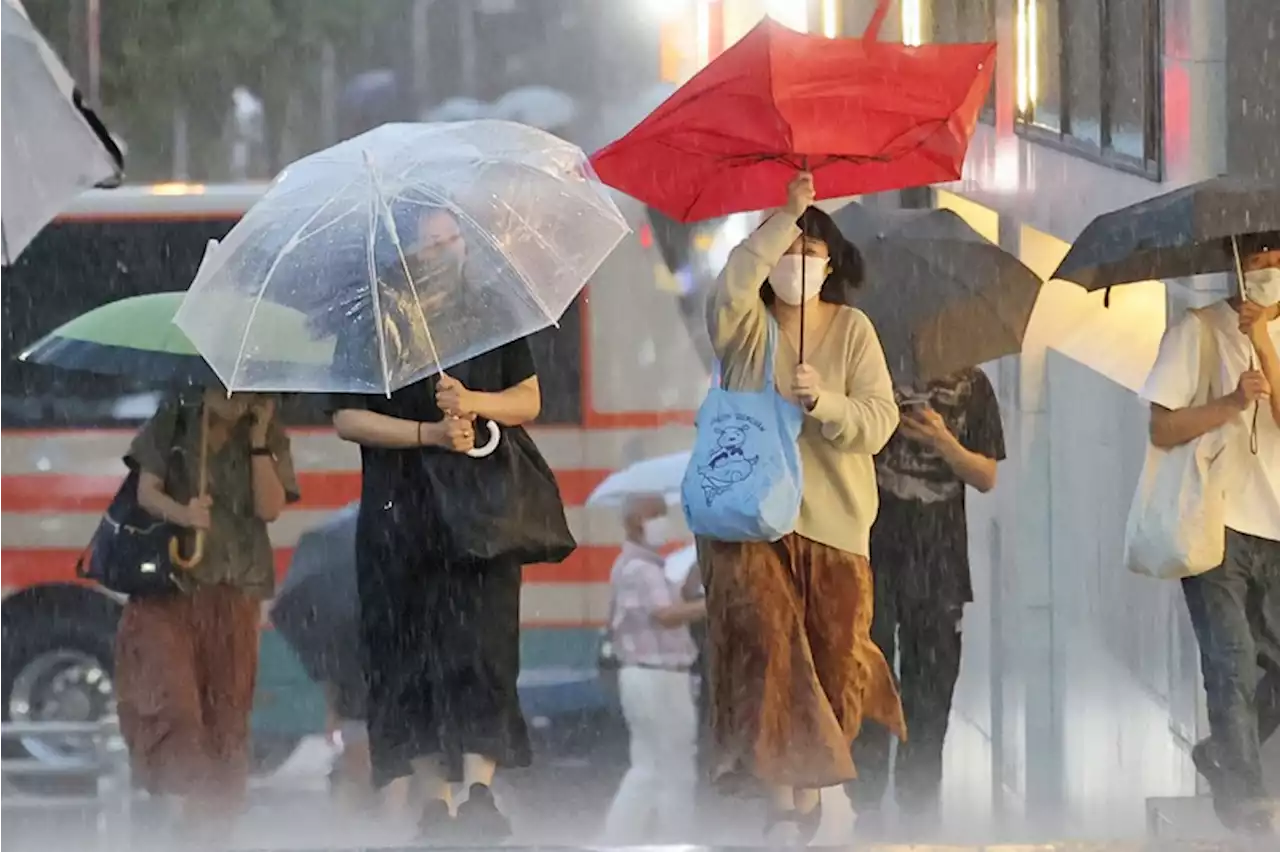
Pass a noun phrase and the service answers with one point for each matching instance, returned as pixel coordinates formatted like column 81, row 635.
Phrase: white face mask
column 787, row 282
column 657, row 530
column 1263, row 286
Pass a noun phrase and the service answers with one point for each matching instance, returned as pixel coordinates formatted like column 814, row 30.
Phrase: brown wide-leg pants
column 793, row 668
column 185, row 671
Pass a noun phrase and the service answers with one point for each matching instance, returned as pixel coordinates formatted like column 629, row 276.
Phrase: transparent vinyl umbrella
column 415, row 246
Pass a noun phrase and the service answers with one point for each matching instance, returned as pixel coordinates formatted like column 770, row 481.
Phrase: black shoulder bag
column 505, row 505
column 129, row 552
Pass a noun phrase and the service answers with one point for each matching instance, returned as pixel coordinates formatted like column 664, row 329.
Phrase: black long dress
column 440, row 639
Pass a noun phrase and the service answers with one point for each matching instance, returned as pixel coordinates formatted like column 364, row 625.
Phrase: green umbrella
column 136, row 337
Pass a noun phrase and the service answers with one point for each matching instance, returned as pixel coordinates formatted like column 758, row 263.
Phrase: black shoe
column 479, row 819
column 1212, row 770
column 436, row 824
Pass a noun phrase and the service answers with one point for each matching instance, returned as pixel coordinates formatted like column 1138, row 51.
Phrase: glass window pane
column 1127, row 44
column 1083, row 44
column 1047, row 93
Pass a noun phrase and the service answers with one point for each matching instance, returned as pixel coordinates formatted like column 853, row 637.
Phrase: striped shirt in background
column 640, row 587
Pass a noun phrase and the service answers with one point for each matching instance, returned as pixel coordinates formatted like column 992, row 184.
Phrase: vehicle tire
column 58, row 670
column 269, row 753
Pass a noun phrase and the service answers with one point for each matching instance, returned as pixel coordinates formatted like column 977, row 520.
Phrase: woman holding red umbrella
column 793, row 667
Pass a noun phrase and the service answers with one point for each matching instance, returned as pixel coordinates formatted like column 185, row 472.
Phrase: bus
column 621, row 376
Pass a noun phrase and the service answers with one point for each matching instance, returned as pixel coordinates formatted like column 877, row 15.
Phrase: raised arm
column 1254, row 322
column 863, row 418
column 734, row 308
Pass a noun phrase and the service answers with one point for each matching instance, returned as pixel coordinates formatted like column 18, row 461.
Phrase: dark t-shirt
column 393, row 475
column 920, row 538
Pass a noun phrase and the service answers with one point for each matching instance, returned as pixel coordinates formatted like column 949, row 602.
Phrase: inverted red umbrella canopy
column 864, row 116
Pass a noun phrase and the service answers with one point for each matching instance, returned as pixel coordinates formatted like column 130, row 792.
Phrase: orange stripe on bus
column 34, row 493
column 28, row 567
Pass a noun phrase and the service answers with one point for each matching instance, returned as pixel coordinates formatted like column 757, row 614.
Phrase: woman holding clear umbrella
column 424, row 255
column 441, row 636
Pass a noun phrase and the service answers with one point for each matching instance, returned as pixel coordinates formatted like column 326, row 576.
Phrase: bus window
column 76, row 265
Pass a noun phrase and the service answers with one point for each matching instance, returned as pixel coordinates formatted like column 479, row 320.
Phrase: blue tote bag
column 744, row 480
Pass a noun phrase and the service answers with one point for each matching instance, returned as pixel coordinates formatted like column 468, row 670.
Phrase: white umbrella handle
column 495, row 435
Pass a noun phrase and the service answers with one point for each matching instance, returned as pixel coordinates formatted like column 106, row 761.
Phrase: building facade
column 1081, row 695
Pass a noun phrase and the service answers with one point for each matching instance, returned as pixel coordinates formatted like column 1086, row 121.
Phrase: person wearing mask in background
column 440, row 636
column 950, row 437
column 186, row 662
column 1234, row 608
column 649, row 630
column 793, row 667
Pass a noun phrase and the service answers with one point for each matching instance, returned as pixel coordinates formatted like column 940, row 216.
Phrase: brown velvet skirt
column 793, row 670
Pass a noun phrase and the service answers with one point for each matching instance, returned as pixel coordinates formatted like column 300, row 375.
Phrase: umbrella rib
column 376, row 297
column 387, row 219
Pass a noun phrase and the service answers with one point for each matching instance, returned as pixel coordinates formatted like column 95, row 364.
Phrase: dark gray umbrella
column 318, row 606
column 942, row 297
column 1184, row 232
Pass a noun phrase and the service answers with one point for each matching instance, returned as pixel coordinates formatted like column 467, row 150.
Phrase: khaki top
column 856, row 412
column 237, row 549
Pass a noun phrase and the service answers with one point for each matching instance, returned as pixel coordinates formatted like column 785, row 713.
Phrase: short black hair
column 846, row 261
column 1251, row 244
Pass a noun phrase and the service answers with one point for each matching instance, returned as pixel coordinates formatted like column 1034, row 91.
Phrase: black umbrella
column 942, row 297
column 317, row 609
column 1184, row 232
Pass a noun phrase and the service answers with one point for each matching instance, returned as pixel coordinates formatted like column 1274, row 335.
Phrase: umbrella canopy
column 423, row 244
column 1181, row 233
column 537, row 106
column 862, row 115
column 942, row 297
column 458, row 109
column 136, row 337
column 317, row 610
column 54, row 146
column 678, row 565
column 660, row 475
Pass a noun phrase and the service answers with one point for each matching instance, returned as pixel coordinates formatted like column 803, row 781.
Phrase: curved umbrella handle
column 186, row 563
column 495, row 435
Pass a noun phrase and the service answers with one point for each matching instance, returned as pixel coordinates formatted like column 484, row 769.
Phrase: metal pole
column 467, row 46
column 94, row 49
column 421, row 42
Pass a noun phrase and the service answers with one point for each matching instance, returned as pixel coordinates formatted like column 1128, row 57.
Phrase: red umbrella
column 865, row 116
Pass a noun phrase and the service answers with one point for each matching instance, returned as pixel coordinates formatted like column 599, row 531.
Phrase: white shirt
column 1253, row 505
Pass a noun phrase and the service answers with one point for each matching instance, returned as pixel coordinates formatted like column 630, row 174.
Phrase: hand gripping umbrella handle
column 495, row 435
column 186, row 563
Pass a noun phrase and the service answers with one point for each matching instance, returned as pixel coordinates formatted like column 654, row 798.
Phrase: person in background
column 950, row 436
column 793, row 667
column 1234, row 608
column 186, row 662
column 649, row 626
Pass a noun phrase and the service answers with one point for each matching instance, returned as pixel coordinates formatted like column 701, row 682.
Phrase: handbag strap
column 770, row 352
column 1208, row 360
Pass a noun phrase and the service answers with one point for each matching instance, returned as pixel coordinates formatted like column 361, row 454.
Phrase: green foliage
column 161, row 55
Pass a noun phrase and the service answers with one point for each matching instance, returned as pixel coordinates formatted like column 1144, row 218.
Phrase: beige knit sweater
column 856, row 412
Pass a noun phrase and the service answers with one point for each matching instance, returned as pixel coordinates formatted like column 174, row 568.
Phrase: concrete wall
column 1253, row 87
